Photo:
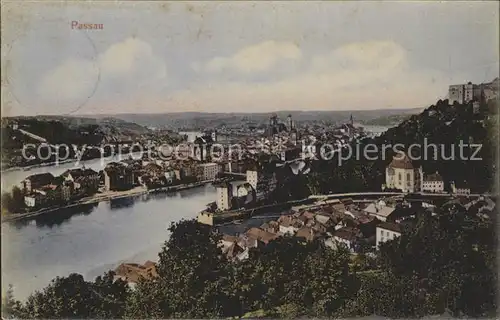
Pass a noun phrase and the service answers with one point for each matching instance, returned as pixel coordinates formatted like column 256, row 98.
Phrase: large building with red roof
column 402, row 173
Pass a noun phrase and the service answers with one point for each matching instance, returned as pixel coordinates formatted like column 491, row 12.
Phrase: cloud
column 369, row 55
column 130, row 57
column 360, row 75
column 72, row 79
column 122, row 66
column 256, row 58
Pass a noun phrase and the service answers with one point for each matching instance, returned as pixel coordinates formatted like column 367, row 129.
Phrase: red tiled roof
column 401, row 162
column 390, row 226
column 261, row 235
column 433, row 177
column 306, row 233
column 346, row 233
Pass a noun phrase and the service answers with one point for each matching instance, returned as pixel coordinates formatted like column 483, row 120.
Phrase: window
column 408, row 176
column 399, row 176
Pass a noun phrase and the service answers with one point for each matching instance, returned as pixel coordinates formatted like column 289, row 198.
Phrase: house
column 82, row 178
column 34, row 200
column 201, row 145
column 324, row 220
column 153, row 170
column 346, row 236
column 289, row 225
column 387, row 231
column 403, row 174
column 367, row 225
column 118, row 176
column 459, row 188
column 234, row 248
column 170, row 175
column 261, row 235
column 379, row 210
column 36, row 181
column 306, row 233
column 338, row 208
column 135, row 166
column 226, row 241
column 179, row 174
column 208, row 171
column 67, row 189
column 271, row 227
column 236, row 252
column 133, row 272
column 246, row 241
column 347, row 202
column 433, row 183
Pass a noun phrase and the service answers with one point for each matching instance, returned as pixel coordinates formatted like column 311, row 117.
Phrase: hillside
column 388, row 121
column 74, row 130
column 61, row 130
column 440, row 124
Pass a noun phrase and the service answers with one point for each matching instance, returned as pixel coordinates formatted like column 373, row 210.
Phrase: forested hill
column 442, row 125
column 70, row 130
column 446, row 126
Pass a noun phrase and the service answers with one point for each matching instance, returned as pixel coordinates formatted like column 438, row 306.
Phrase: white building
column 30, row 201
column 433, row 183
column 460, row 189
column 402, row 174
column 289, row 225
column 209, row 171
column 224, row 196
column 463, row 93
column 387, row 231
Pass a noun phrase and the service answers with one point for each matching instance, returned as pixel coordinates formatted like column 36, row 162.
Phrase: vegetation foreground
column 411, row 276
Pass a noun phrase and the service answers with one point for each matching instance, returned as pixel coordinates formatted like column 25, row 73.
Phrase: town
column 236, row 160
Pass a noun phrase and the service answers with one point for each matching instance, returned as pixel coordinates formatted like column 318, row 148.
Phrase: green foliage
column 13, row 202
column 11, row 308
column 73, row 297
column 441, row 125
column 446, row 264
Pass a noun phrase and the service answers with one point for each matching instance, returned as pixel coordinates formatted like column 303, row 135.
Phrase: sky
column 158, row 57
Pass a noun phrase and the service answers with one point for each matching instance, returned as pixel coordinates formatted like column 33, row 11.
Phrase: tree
column 11, row 308
column 190, row 270
column 73, row 297
column 112, row 296
column 13, row 202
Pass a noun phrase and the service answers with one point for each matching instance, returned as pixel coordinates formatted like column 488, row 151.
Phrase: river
column 94, row 238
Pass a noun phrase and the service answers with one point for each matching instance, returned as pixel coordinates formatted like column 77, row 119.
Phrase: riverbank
column 104, row 196
column 220, row 218
column 39, row 165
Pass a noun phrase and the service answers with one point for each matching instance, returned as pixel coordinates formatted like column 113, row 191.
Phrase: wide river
column 92, row 239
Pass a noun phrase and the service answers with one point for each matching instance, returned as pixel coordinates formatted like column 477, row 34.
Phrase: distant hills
column 388, row 121
column 195, row 120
